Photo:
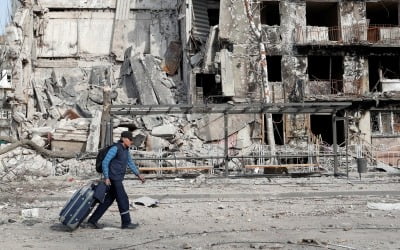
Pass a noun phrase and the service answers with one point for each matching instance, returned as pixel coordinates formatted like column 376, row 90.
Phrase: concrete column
column 365, row 126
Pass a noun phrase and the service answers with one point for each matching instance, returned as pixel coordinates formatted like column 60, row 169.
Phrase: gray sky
column 5, row 6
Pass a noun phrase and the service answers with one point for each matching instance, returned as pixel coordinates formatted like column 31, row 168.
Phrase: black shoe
column 94, row 225
column 130, row 226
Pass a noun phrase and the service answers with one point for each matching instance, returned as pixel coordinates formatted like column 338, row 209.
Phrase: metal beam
column 226, row 136
column 248, row 108
column 335, row 146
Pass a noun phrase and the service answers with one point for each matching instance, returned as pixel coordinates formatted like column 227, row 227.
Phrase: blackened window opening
column 322, row 125
column 383, row 13
column 324, row 15
column 327, row 68
column 387, row 66
column 213, row 16
column 269, row 13
column 211, row 89
column 274, row 68
column 212, row 11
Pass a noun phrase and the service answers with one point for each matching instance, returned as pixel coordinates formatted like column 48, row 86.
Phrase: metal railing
column 358, row 33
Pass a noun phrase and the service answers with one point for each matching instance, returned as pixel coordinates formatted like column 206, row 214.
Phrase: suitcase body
column 78, row 207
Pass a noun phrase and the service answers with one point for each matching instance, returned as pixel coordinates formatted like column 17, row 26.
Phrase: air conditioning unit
column 5, row 79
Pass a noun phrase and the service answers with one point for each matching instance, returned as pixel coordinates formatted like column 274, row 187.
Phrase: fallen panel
column 153, row 69
column 227, row 74
column 142, row 83
column 214, row 131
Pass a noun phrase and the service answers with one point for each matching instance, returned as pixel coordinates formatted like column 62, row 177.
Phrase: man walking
column 114, row 168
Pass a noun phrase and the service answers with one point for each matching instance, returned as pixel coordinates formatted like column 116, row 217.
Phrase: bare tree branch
column 28, row 143
column 256, row 29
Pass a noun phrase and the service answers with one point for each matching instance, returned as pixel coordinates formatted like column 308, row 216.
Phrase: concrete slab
column 95, row 36
column 142, row 82
column 60, row 39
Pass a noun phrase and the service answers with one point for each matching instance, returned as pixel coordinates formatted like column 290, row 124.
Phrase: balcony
column 323, row 88
column 348, row 35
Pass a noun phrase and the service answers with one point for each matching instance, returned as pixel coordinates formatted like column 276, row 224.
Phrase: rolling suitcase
column 78, row 207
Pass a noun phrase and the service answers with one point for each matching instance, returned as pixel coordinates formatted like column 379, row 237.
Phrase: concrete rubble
column 59, row 56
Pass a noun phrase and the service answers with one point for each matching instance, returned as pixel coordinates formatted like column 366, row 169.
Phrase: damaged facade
column 60, row 55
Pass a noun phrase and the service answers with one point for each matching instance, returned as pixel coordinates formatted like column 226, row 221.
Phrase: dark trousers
column 116, row 192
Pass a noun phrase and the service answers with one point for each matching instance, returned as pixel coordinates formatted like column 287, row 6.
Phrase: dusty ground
column 214, row 213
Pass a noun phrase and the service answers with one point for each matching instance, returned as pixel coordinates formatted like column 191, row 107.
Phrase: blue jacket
column 115, row 162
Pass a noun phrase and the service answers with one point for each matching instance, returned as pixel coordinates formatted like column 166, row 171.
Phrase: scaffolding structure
column 259, row 158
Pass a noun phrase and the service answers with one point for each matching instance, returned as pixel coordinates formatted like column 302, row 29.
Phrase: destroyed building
column 59, row 55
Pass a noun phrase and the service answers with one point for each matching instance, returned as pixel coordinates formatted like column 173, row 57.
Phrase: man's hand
column 141, row 177
column 107, row 182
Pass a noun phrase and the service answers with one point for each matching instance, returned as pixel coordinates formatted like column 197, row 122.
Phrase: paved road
column 216, row 213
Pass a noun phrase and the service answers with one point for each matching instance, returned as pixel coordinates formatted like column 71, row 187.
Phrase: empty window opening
column 213, row 16
column 322, row 125
column 327, row 68
column 383, row 13
column 209, row 89
column 274, row 68
column 386, row 67
column 213, row 12
column 324, row 15
column 269, row 13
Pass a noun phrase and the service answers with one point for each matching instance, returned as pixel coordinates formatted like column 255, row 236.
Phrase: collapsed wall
column 63, row 53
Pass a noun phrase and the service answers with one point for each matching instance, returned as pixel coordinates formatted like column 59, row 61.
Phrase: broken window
column 209, row 89
column 380, row 68
column 382, row 13
column 274, row 68
column 385, row 123
column 269, row 13
column 327, row 69
column 322, row 14
column 375, row 128
column 322, row 125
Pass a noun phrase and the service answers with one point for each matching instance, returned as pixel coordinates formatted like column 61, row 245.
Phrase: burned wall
column 355, row 77
column 293, row 14
column 353, row 21
column 234, row 25
column 62, row 53
column 294, row 77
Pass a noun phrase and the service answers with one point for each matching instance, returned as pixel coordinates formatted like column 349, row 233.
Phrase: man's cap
column 127, row 134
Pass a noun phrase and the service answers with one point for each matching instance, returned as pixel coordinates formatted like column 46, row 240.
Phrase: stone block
column 151, row 121
column 155, row 144
column 30, row 213
column 168, row 130
column 68, row 146
column 142, row 83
